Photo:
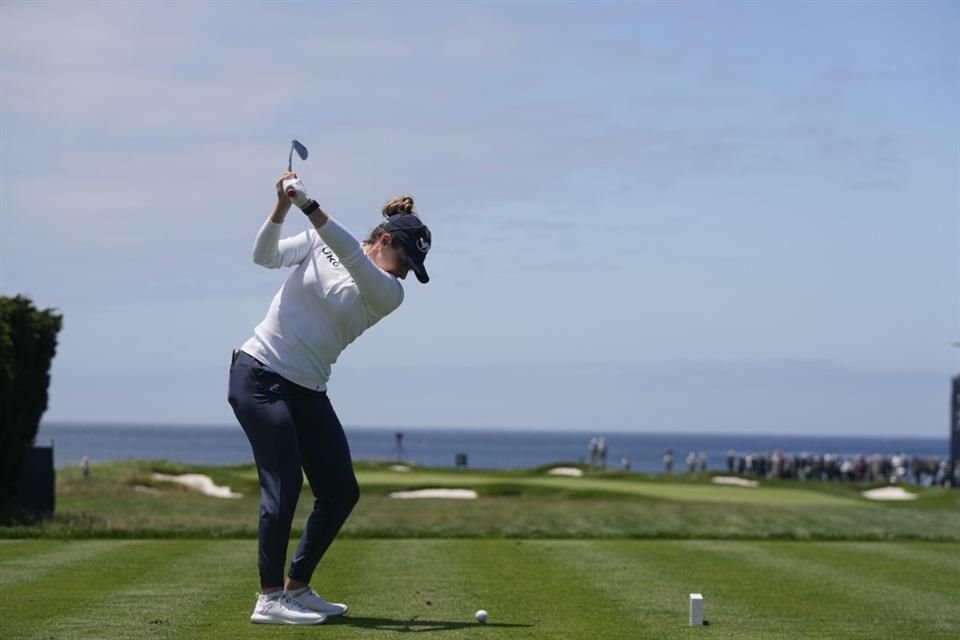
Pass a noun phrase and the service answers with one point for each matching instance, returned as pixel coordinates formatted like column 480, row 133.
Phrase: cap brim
column 421, row 274
column 417, row 267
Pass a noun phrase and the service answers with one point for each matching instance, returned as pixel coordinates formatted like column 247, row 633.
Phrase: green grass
column 512, row 504
column 570, row 589
column 606, row 556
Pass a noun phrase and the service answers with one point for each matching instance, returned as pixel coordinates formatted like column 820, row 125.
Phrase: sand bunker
column 452, row 494
column 735, row 482
column 198, row 482
column 570, row 472
column 399, row 467
column 889, row 493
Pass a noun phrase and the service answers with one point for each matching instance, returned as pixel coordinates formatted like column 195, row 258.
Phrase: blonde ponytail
column 398, row 205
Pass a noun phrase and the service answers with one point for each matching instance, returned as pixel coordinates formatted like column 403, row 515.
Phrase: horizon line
column 528, row 429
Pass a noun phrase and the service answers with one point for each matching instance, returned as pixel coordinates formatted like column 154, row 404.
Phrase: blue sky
column 718, row 217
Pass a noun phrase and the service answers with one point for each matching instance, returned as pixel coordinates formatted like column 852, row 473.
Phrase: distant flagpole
column 954, row 467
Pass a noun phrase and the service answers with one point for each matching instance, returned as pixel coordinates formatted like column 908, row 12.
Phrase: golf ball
column 481, row 615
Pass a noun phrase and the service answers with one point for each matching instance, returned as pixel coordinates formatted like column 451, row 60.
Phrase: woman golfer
column 337, row 290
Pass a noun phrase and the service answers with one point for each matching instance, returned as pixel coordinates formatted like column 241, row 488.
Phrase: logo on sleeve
column 326, row 251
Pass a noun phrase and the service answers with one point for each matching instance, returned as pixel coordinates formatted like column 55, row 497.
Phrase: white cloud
column 619, row 170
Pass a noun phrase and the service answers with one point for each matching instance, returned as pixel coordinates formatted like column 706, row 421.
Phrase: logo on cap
column 423, row 245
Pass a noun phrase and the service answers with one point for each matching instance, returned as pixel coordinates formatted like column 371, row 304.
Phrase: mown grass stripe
column 227, row 596
column 569, row 589
column 517, row 582
column 166, row 584
column 643, row 601
column 237, row 581
column 402, row 580
column 816, row 587
column 942, row 558
column 376, row 578
column 397, row 586
column 618, row 573
column 66, row 587
column 653, row 580
column 916, row 593
column 343, row 573
column 207, row 592
column 13, row 549
column 746, row 596
column 26, row 562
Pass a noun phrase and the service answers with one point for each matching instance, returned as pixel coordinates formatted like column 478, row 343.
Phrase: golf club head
column 296, row 145
column 300, row 149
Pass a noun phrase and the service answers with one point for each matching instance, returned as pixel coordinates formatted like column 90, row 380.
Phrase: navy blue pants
column 291, row 427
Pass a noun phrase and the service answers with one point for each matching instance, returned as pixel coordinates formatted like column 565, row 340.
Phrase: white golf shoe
column 309, row 599
column 282, row 609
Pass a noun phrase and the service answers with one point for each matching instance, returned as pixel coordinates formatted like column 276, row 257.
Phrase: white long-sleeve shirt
column 334, row 294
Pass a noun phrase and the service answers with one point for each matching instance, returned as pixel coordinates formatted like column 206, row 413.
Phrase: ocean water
column 485, row 448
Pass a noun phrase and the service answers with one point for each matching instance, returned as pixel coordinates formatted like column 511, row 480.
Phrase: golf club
column 301, row 150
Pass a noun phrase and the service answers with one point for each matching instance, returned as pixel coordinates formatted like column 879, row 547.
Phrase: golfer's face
column 402, row 268
column 396, row 263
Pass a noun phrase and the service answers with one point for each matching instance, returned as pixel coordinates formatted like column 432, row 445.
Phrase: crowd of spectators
column 927, row 471
column 826, row 467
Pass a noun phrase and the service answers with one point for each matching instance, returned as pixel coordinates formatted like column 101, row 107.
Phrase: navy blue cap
column 414, row 238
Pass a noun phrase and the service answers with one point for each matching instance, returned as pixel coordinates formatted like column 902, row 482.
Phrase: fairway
column 592, row 589
column 121, row 500
column 659, row 490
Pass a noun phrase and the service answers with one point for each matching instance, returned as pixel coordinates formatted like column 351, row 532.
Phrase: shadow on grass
column 414, row 624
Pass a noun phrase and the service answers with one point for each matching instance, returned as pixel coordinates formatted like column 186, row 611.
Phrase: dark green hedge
column 28, row 342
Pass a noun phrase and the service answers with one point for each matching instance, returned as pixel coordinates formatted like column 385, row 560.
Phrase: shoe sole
column 329, row 614
column 261, row 619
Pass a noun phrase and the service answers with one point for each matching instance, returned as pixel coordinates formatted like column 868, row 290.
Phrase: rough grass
column 512, row 504
column 610, row 589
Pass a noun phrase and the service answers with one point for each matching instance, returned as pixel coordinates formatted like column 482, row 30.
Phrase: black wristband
column 311, row 207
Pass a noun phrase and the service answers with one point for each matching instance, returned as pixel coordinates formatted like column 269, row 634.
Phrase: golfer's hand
column 297, row 192
column 282, row 197
column 283, row 202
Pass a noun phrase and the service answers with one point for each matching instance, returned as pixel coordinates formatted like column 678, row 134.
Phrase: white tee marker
column 696, row 609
